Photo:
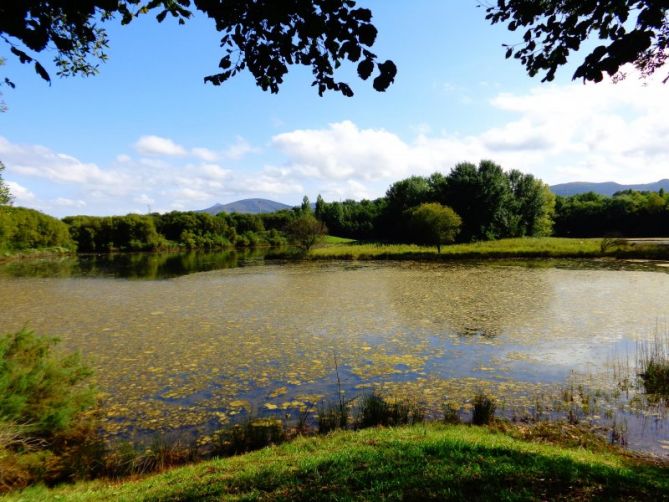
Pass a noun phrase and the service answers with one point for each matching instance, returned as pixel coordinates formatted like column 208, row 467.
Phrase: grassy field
column 422, row 462
column 521, row 247
column 526, row 247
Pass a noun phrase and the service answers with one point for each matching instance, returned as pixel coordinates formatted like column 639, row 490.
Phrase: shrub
column 375, row 410
column 45, row 434
column 39, row 389
column 484, row 409
column 332, row 416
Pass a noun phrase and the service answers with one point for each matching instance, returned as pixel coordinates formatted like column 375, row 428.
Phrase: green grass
column 422, row 462
column 504, row 248
column 332, row 239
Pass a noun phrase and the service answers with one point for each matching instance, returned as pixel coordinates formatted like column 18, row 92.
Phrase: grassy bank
column 426, row 462
column 551, row 247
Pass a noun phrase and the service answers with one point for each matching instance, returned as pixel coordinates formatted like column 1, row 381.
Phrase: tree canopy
column 630, row 31
column 5, row 195
column 264, row 37
column 434, row 224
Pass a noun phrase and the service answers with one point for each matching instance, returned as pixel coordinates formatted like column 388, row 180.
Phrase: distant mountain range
column 252, row 206
column 606, row 188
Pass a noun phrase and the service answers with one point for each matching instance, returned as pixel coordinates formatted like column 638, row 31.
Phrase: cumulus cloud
column 205, row 154
column 559, row 133
column 39, row 161
column 157, row 145
column 65, row 202
column 239, row 149
column 20, row 193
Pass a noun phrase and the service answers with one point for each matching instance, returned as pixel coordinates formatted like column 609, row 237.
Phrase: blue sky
column 147, row 132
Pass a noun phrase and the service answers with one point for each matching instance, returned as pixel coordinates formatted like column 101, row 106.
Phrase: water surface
column 199, row 350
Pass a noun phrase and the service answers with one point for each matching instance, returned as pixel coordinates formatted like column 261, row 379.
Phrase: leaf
column 388, row 71
column 42, row 72
column 365, row 68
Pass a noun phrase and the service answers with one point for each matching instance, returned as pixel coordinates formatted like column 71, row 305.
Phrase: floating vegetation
column 208, row 350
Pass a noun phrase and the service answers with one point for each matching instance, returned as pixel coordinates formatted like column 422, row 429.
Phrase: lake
column 194, row 342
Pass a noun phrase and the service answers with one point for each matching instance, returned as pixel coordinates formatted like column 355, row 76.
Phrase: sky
column 147, row 134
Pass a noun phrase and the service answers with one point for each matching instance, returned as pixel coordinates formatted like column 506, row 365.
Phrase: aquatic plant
column 653, row 364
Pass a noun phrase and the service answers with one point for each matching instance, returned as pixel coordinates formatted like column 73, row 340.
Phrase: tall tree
column 264, row 37
column 5, row 195
column 629, row 31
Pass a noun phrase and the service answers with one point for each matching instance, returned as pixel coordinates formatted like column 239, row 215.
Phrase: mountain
column 606, row 188
column 253, row 206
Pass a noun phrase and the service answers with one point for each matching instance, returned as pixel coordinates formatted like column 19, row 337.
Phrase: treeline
column 22, row 228
column 470, row 203
column 491, row 203
column 627, row 213
column 189, row 230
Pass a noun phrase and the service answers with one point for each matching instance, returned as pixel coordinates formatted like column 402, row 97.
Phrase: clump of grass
column 374, row 410
column 484, row 409
column 653, row 364
column 332, row 415
column 451, row 412
column 161, row 453
column 252, row 434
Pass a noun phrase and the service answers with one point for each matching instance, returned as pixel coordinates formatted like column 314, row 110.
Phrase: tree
column 5, row 195
column 632, row 31
column 305, row 230
column 434, row 224
column 264, row 37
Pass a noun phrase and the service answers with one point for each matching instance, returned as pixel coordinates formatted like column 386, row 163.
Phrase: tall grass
column 523, row 247
column 653, row 363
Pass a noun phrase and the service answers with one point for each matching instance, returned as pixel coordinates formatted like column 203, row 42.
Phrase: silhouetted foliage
column 629, row 31
column 264, row 37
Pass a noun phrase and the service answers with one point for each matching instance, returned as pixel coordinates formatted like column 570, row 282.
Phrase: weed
column 484, row 409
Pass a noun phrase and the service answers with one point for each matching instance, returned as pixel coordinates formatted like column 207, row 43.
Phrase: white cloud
column 38, row 161
column 65, row 202
column 205, row 154
column 239, row 149
column 157, row 145
column 123, row 158
column 144, row 199
column 20, row 193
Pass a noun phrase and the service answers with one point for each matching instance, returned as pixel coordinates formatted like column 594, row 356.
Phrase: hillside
column 606, row 188
column 252, row 206
column 422, row 462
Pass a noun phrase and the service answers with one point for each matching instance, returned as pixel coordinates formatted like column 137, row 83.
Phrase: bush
column 46, row 434
column 484, row 409
column 375, row 410
column 39, row 389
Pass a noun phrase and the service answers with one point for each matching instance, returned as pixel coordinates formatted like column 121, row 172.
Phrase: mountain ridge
column 606, row 187
column 250, row 206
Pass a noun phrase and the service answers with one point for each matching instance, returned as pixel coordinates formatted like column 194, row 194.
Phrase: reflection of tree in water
column 149, row 266
column 468, row 300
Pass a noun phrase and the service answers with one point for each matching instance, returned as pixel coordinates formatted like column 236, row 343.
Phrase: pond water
column 199, row 350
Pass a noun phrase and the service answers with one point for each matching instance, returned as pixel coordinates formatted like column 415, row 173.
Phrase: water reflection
column 146, row 266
